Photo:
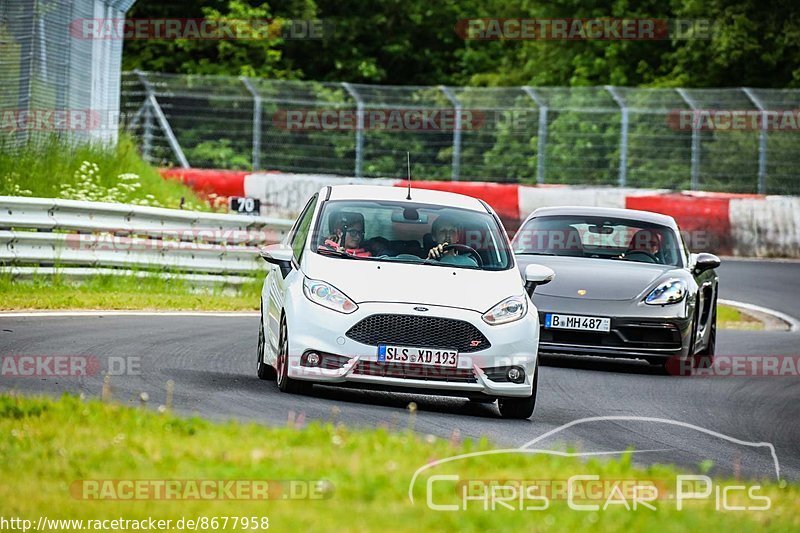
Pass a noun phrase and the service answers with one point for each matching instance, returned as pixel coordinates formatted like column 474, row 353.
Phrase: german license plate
column 583, row 323
column 415, row 355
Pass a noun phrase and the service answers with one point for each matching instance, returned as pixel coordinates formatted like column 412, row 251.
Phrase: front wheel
column 264, row 371
column 285, row 383
column 705, row 357
column 520, row 408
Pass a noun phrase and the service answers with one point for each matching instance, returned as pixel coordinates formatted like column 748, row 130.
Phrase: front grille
column 632, row 336
column 652, row 335
column 413, row 371
column 422, row 331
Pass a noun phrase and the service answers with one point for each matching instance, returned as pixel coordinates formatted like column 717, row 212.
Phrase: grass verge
column 732, row 318
column 125, row 293
column 51, row 167
column 57, row 452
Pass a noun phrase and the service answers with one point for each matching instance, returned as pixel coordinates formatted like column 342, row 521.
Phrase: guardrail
column 40, row 233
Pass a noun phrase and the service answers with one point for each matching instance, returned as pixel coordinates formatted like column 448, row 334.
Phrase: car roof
column 611, row 212
column 421, row 196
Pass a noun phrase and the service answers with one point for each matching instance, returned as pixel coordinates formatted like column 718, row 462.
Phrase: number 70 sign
column 245, row 205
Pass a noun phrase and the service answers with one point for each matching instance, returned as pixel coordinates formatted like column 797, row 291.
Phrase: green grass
column 50, row 167
column 128, row 292
column 125, row 292
column 49, row 446
column 732, row 318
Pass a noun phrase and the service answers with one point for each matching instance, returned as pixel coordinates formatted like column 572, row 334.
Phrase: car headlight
column 669, row 292
column 508, row 310
column 328, row 296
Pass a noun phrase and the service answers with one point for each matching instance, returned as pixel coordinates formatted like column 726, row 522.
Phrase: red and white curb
column 737, row 224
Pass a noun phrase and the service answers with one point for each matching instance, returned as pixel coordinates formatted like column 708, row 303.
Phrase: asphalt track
column 211, row 360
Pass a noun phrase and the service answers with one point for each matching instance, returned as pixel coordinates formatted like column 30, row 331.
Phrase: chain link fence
column 53, row 79
column 734, row 140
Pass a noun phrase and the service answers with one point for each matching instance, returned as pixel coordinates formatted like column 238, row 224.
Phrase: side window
column 686, row 252
column 298, row 239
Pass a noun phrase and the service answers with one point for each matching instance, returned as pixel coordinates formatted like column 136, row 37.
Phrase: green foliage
column 414, row 42
column 218, row 154
column 52, row 167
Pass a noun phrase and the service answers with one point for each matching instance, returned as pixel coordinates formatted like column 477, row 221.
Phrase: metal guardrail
column 43, row 232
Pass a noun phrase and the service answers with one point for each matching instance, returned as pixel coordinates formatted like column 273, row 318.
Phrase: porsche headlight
column 508, row 310
column 669, row 292
column 328, row 296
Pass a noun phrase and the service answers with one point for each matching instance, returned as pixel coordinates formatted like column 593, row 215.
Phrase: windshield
column 598, row 237
column 411, row 233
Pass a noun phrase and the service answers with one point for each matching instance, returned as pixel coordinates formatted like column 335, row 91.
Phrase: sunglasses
column 355, row 232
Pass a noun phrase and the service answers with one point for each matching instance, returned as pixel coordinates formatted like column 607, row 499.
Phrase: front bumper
column 638, row 331
column 630, row 337
column 351, row 363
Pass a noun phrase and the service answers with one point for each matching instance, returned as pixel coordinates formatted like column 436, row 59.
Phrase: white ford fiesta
column 405, row 290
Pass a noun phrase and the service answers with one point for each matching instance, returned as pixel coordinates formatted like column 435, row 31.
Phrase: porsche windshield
column 598, row 237
column 411, row 233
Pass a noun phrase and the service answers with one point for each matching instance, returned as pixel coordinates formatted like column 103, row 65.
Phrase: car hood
column 383, row 281
column 602, row 279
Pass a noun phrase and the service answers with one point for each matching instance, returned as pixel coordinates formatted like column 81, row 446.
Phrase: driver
column 347, row 234
column 445, row 231
column 645, row 240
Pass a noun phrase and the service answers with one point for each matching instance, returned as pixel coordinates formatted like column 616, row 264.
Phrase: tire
column 705, row 357
column 285, row 383
column 520, row 408
column 264, row 371
column 687, row 363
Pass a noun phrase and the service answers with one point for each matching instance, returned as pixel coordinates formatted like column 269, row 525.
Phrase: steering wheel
column 467, row 249
column 643, row 252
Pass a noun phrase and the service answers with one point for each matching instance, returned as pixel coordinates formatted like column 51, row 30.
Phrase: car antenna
column 408, row 166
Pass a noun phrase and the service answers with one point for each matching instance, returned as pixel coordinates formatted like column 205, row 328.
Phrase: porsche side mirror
column 536, row 275
column 704, row 261
column 279, row 255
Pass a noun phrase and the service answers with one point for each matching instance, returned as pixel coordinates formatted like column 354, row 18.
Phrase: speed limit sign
column 245, row 205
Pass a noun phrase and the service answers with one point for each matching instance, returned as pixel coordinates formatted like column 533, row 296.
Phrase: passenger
column 347, row 234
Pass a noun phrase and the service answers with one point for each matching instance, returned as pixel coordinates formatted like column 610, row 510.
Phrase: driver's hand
column 437, row 251
column 335, row 240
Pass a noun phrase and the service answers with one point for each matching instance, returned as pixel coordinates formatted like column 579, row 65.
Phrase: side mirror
column 704, row 261
column 536, row 275
column 279, row 255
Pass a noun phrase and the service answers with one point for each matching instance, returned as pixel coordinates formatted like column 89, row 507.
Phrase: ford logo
column 421, row 309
